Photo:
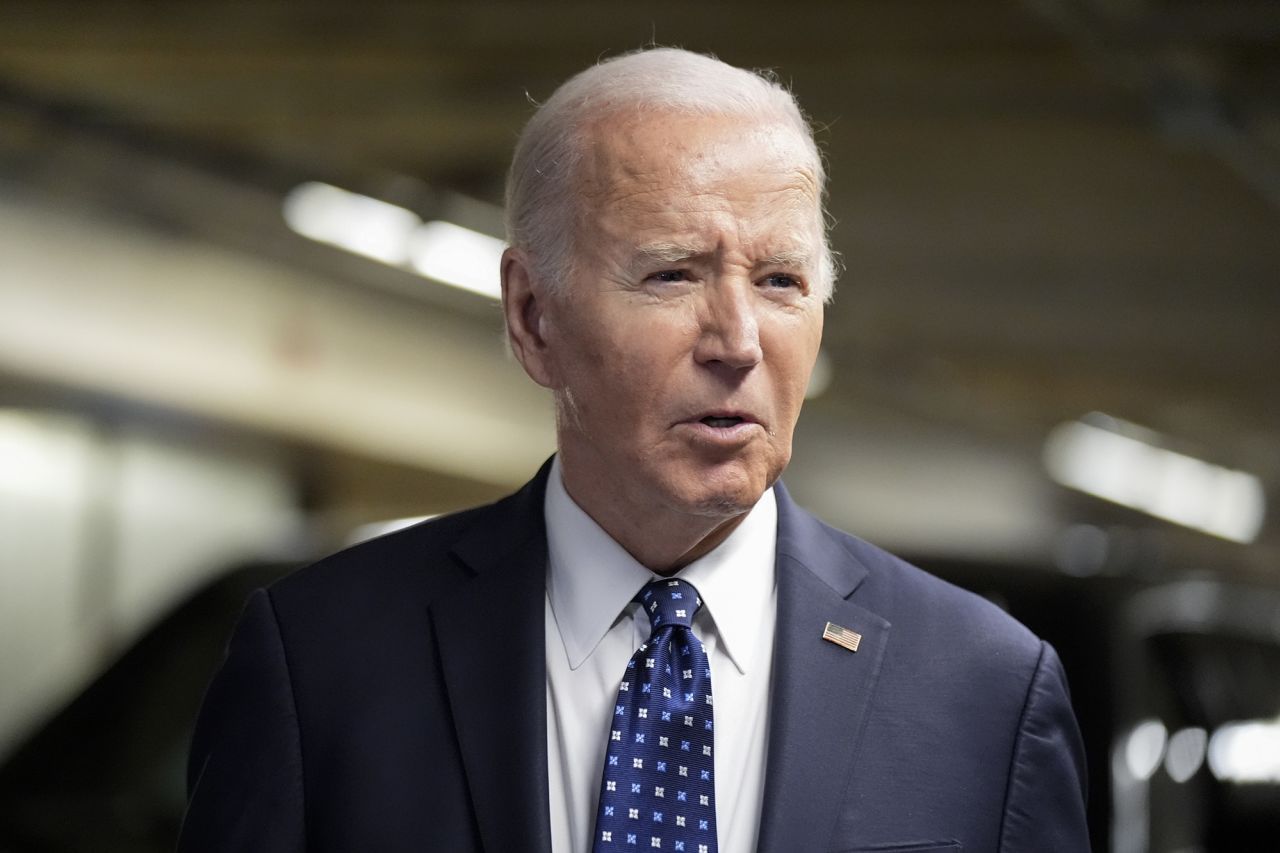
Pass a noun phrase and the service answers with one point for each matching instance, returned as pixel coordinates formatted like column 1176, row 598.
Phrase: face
column 680, row 352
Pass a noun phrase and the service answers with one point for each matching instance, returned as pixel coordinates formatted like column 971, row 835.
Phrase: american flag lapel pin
column 842, row 636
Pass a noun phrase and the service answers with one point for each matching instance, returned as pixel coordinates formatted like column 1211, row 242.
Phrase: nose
column 729, row 334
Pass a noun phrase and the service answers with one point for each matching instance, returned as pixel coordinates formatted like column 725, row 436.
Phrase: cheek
column 610, row 375
column 644, row 350
column 796, row 348
column 580, row 350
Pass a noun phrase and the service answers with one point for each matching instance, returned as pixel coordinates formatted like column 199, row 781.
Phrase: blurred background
column 247, row 269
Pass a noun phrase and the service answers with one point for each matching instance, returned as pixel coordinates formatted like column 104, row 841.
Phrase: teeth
column 721, row 422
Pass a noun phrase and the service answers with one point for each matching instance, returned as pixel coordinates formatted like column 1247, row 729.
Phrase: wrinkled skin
column 680, row 351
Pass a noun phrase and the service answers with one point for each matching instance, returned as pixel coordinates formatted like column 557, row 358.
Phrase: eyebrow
column 676, row 253
column 792, row 259
column 668, row 253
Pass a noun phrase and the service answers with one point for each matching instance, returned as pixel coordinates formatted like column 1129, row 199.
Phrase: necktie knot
column 669, row 602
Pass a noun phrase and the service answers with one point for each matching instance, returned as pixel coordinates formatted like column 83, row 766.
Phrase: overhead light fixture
column 1246, row 752
column 442, row 251
column 1125, row 464
column 1185, row 753
column 357, row 223
column 1144, row 748
column 458, row 256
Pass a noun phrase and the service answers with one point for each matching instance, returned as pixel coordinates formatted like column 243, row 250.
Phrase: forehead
column 663, row 169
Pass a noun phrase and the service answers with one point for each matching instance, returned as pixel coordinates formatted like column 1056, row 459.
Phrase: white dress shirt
column 592, row 629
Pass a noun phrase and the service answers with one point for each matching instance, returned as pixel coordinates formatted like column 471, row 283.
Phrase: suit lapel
column 821, row 691
column 491, row 640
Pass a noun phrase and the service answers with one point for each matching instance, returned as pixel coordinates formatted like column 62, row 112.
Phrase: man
column 488, row 680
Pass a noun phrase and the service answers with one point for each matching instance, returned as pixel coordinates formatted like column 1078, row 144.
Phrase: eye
column 782, row 280
column 670, row 276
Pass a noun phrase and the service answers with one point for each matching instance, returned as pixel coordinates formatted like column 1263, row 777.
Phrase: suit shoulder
column 411, row 565
column 913, row 598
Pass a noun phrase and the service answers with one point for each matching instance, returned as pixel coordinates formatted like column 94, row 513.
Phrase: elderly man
column 539, row 674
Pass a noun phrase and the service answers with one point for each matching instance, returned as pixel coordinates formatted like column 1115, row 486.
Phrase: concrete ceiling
column 1044, row 208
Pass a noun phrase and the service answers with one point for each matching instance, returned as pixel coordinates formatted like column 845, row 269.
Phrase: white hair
column 541, row 188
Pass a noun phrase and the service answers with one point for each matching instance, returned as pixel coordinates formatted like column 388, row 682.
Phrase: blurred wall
column 102, row 530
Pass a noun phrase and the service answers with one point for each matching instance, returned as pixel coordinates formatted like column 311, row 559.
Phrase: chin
column 720, row 494
column 723, row 506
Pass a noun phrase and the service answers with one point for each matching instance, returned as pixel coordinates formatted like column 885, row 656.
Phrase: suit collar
column 503, row 743
column 809, row 543
column 821, row 691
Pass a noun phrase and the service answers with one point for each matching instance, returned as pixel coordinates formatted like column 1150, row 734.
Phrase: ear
column 524, row 304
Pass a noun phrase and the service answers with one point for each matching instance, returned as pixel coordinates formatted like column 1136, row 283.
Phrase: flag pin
column 842, row 636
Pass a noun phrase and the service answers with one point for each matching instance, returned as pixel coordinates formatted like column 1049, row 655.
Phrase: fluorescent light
column 458, row 256
column 441, row 251
column 357, row 223
column 1246, row 752
column 1185, row 753
column 1144, row 748
column 1119, row 462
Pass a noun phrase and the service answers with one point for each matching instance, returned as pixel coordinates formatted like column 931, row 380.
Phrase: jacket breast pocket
column 907, row 847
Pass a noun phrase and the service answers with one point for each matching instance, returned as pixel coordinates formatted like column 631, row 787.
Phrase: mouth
column 722, row 421
column 723, row 429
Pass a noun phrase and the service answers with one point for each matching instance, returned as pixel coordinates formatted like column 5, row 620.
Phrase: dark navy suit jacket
column 392, row 698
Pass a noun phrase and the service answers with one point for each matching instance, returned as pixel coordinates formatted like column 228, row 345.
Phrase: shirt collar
column 591, row 579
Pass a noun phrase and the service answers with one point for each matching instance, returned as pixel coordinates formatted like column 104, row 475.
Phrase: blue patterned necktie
column 658, row 788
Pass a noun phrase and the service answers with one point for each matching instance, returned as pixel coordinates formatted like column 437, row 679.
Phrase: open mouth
column 721, row 423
